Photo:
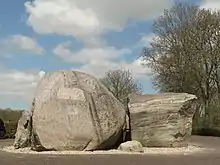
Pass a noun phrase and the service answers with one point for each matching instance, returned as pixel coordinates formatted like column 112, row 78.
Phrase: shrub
column 206, row 131
column 11, row 129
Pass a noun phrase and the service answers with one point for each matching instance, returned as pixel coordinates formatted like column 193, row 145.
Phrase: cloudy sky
column 93, row 36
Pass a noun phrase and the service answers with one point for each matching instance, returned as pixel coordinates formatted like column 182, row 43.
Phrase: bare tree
column 185, row 55
column 121, row 83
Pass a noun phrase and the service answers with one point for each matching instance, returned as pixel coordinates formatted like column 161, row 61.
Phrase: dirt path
column 210, row 158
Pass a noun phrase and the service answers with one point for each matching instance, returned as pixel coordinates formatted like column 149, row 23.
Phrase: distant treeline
column 10, row 118
column 9, row 115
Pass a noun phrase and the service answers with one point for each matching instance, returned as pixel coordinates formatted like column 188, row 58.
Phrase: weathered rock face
column 131, row 146
column 74, row 111
column 2, row 129
column 162, row 120
column 22, row 136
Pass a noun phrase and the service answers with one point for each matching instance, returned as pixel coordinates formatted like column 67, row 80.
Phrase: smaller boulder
column 131, row 146
column 22, row 136
column 162, row 120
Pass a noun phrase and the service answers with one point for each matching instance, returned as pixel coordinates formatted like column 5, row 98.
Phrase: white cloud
column 41, row 74
column 18, row 86
column 26, row 43
column 210, row 4
column 20, row 43
column 144, row 41
column 84, row 19
column 89, row 55
column 137, row 68
column 99, row 69
column 98, row 60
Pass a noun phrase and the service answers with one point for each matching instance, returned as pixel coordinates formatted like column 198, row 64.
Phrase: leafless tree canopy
column 185, row 53
column 121, row 83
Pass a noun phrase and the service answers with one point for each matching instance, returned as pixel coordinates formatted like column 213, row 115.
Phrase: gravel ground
column 147, row 151
column 206, row 152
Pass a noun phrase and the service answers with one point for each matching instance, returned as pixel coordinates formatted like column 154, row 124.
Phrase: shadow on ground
column 210, row 158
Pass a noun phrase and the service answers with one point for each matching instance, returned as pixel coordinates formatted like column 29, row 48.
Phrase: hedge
column 11, row 129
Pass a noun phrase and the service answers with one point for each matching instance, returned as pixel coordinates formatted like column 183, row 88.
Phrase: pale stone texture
column 131, row 146
column 162, row 120
column 22, row 136
column 74, row 111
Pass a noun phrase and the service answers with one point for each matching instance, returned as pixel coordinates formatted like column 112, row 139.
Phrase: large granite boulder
column 74, row 111
column 162, row 120
column 2, row 129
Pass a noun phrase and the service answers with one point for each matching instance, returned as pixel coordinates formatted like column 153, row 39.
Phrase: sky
column 92, row 36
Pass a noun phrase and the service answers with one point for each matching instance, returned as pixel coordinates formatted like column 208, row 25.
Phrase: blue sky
column 88, row 35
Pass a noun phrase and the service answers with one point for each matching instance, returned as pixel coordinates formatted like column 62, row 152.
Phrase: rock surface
column 22, row 136
column 74, row 111
column 162, row 120
column 131, row 146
